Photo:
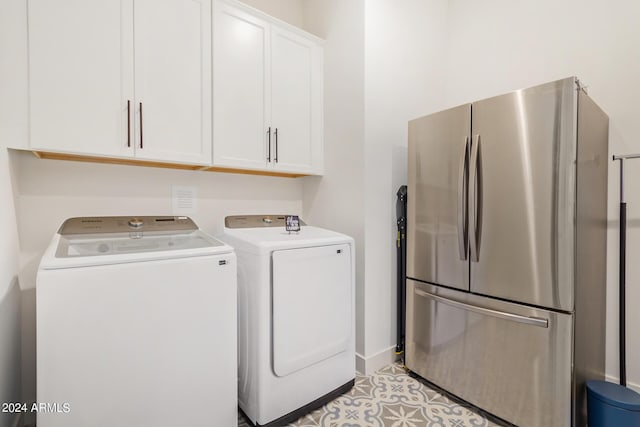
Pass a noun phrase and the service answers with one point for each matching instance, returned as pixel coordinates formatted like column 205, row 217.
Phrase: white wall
column 291, row 11
column 10, row 342
column 13, row 131
column 336, row 200
column 62, row 189
column 495, row 46
column 404, row 53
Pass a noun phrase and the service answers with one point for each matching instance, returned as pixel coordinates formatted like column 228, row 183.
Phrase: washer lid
column 104, row 247
column 122, row 244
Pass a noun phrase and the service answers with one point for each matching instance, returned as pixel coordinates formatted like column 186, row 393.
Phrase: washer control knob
column 135, row 223
column 267, row 220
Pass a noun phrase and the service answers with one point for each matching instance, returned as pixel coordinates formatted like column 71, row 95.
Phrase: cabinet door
column 172, row 80
column 296, row 101
column 240, row 124
column 80, row 75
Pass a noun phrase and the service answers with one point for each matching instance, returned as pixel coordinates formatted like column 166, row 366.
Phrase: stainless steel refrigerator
column 506, row 252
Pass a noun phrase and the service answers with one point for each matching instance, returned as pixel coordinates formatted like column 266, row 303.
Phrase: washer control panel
column 136, row 222
column 124, row 224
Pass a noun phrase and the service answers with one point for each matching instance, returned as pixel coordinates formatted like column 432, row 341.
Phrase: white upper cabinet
column 80, row 75
column 240, row 68
column 129, row 78
column 267, row 93
column 296, row 116
column 173, row 80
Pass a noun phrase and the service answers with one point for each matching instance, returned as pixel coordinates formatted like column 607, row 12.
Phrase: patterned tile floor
column 389, row 398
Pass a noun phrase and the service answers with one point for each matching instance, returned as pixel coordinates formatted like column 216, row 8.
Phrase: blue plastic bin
column 612, row 405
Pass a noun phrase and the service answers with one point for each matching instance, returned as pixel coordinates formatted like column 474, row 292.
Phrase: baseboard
column 369, row 365
column 633, row 386
column 17, row 420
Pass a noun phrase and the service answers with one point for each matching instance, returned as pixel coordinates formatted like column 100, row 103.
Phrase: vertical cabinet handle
column 475, row 187
column 275, row 158
column 128, row 123
column 141, row 146
column 463, row 179
column 269, row 145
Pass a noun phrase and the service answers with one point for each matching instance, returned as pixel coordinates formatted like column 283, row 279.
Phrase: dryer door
column 311, row 305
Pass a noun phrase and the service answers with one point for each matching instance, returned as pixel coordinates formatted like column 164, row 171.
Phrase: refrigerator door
column 437, row 248
column 508, row 359
column 522, row 195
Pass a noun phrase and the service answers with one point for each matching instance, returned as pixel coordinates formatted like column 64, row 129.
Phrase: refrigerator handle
column 463, row 179
column 528, row 320
column 475, row 188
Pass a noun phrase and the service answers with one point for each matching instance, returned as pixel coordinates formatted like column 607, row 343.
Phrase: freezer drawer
column 510, row 360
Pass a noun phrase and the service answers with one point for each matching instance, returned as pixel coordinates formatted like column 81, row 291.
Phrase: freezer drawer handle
column 535, row 321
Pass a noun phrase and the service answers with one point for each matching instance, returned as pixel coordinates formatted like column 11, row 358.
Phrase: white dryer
column 136, row 325
column 296, row 317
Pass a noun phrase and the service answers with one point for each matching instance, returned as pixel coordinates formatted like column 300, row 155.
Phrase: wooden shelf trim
column 154, row 164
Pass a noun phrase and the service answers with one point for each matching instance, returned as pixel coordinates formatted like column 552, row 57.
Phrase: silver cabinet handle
column 535, row 321
column 269, row 145
column 275, row 157
column 141, row 146
column 475, row 187
column 128, row 123
column 463, row 176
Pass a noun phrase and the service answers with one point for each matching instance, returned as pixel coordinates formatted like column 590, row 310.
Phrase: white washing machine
column 296, row 333
column 136, row 325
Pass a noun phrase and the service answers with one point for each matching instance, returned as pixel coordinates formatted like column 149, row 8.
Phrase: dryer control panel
column 257, row 221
